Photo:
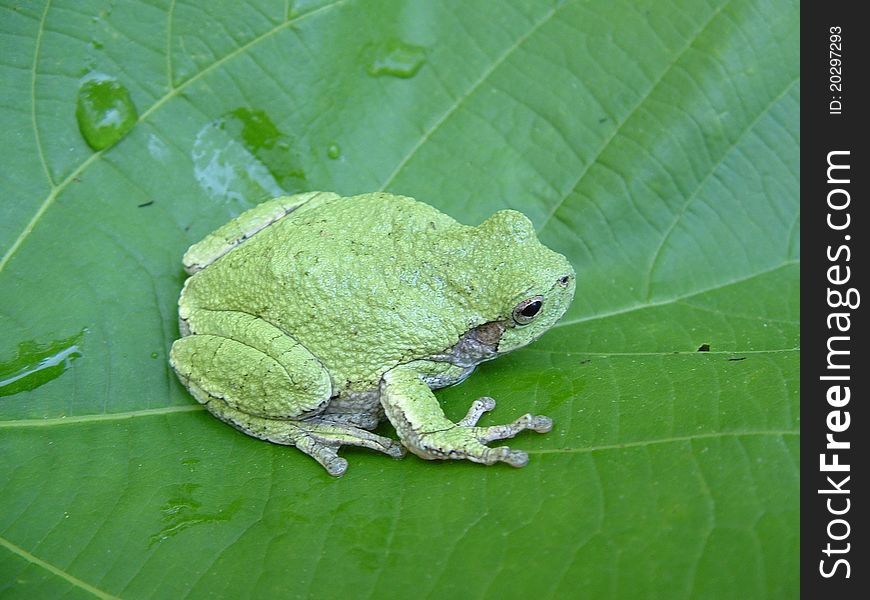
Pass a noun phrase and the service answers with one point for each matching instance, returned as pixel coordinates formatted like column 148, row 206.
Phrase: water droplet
column 227, row 171
column 154, row 355
column 244, row 157
column 104, row 111
column 37, row 364
column 264, row 140
column 181, row 511
column 396, row 59
column 334, row 151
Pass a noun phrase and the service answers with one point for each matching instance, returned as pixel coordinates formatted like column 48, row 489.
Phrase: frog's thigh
column 261, row 381
column 250, row 365
column 247, row 224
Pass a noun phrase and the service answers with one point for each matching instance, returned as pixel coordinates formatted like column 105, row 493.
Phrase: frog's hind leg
column 249, row 364
column 317, row 437
column 260, row 380
column 321, row 440
column 245, row 226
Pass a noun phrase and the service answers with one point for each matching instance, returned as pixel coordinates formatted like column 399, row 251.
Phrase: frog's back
column 368, row 215
column 358, row 280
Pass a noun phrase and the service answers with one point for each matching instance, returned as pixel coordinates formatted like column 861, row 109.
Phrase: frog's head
column 536, row 284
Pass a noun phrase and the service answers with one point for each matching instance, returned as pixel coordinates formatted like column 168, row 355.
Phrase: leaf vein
column 170, row 15
column 120, row 416
column 468, row 93
column 675, row 299
column 667, row 440
column 646, row 289
column 36, row 53
column 631, row 114
column 33, row 559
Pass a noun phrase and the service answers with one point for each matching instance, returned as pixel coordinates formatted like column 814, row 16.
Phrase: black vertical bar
column 835, row 63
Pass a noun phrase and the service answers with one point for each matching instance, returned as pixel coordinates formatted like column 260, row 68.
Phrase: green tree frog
column 309, row 319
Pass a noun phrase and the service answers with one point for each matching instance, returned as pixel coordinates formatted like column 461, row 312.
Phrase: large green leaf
column 654, row 143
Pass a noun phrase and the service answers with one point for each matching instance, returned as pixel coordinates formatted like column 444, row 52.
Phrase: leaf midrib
column 87, row 419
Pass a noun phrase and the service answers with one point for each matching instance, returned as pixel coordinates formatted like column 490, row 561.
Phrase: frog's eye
column 527, row 310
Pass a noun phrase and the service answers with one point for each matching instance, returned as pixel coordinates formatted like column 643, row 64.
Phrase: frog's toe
column 537, row 423
column 490, row 456
column 516, row 458
column 336, row 466
column 397, row 450
column 541, row 424
column 325, row 454
column 477, row 409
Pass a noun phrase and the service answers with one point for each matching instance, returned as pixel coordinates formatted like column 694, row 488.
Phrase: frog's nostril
column 563, row 281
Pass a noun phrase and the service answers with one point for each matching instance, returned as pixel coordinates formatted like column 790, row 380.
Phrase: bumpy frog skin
column 309, row 319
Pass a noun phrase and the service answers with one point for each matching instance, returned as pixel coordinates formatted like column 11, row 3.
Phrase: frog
column 310, row 319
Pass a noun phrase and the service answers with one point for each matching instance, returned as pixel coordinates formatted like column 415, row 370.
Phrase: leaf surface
column 656, row 144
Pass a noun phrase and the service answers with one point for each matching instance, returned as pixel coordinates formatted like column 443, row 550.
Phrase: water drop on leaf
column 104, row 111
column 396, row 59
column 243, row 157
column 38, row 363
column 334, row 151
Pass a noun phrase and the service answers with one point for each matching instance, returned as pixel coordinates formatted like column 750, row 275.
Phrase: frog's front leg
column 416, row 414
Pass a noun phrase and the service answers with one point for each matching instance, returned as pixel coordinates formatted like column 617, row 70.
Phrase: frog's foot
column 321, row 438
column 414, row 411
column 538, row 423
column 466, row 440
column 317, row 436
column 325, row 454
